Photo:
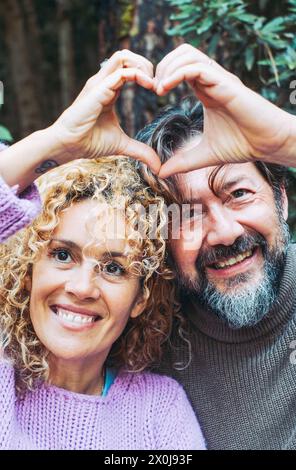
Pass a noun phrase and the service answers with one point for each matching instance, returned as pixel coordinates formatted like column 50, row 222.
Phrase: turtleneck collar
column 209, row 324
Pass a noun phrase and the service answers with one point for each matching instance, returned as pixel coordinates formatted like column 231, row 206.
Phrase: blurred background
column 49, row 48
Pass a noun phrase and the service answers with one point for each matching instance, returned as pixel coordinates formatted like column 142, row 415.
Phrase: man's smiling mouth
column 229, row 262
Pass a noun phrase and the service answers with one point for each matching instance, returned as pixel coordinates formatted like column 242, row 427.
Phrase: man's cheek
column 191, row 240
column 186, row 259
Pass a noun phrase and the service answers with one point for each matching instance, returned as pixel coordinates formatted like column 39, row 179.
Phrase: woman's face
column 78, row 311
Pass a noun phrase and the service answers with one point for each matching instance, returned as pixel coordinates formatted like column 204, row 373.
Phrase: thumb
column 194, row 155
column 143, row 153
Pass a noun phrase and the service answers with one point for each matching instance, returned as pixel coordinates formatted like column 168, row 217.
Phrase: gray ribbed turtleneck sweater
column 242, row 383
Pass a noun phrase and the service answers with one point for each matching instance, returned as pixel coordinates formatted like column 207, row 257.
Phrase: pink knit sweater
column 141, row 411
column 16, row 211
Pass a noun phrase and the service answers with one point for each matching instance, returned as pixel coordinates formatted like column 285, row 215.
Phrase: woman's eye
column 113, row 269
column 61, row 255
column 238, row 193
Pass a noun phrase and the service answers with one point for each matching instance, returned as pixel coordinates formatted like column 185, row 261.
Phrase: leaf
column 5, row 134
column 205, row 25
column 179, row 2
column 249, row 58
column 180, row 16
column 247, row 18
column 259, row 23
column 174, row 31
column 291, row 54
column 213, row 44
column 274, row 26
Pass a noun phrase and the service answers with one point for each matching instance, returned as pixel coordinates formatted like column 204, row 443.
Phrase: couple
column 82, row 309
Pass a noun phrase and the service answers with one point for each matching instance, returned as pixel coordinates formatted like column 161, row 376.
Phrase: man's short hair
column 175, row 125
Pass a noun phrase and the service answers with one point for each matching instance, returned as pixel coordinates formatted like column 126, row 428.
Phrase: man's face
column 234, row 262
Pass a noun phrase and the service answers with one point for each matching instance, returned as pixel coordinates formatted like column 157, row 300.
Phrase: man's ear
column 139, row 307
column 285, row 203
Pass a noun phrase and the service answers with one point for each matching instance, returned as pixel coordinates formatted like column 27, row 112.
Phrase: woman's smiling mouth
column 74, row 317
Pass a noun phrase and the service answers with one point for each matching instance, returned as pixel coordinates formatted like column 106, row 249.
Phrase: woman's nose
column 83, row 283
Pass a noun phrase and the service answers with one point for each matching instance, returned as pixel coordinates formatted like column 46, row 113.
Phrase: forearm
column 270, row 132
column 287, row 155
column 24, row 161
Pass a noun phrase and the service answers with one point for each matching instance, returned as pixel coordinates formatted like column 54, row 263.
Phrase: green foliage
column 254, row 40
column 241, row 39
column 127, row 8
column 5, row 134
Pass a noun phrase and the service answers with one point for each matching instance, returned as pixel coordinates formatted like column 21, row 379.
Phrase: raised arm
column 87, row 129
column 239, row 124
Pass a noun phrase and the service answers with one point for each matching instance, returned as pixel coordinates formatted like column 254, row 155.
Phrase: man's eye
column 61, row 255
column 238, row 193
column 114, row 269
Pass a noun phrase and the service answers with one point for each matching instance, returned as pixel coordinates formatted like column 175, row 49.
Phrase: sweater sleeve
column 7, row 404
column 178, row 427
column 16, row 211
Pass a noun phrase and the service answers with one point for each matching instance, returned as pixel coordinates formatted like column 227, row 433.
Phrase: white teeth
column 233, row 261
column 74, row 318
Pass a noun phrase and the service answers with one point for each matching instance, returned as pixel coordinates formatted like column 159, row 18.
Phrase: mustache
column 218, row 253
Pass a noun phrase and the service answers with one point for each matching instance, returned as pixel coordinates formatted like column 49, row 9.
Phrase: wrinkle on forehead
column 196, row 184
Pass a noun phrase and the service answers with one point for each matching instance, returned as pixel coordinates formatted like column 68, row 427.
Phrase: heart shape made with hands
column 239, row 125
column 176, row 162
column 183, row 64
column 235, row 130
column 213, row 86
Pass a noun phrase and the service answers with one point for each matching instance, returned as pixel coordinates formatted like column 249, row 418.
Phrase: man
column 237, row 278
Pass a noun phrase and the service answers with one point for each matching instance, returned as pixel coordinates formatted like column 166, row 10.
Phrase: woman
column 86, row 305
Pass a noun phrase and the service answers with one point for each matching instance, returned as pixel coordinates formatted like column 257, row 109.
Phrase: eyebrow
column 227, row 185
column 74, row 246
column 221, row 187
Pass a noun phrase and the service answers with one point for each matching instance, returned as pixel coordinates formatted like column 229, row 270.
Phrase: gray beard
column 245, row 305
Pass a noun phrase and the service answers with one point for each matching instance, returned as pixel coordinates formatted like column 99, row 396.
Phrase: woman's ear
column 139, row 307
column 28, row 283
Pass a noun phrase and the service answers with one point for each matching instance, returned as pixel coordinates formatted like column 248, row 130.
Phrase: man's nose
column 83, row 283
column 223, row 228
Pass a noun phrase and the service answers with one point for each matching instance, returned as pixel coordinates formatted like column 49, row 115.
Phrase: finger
column 119, row 60
column 195, row 155
column 178, row 64
column 203, row 74
column 91, row 104
column 190, row 55
column 128, row 59
column 141, row 152
column 116, row 80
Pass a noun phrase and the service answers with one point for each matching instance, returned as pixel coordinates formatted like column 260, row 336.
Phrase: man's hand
column 239, row 125
column 90, row 128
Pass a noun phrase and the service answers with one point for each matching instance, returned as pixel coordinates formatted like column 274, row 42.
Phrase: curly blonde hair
column 107, row 179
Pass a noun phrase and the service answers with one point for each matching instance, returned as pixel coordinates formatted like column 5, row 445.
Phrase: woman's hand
column 239, row 125
column 90, row 128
